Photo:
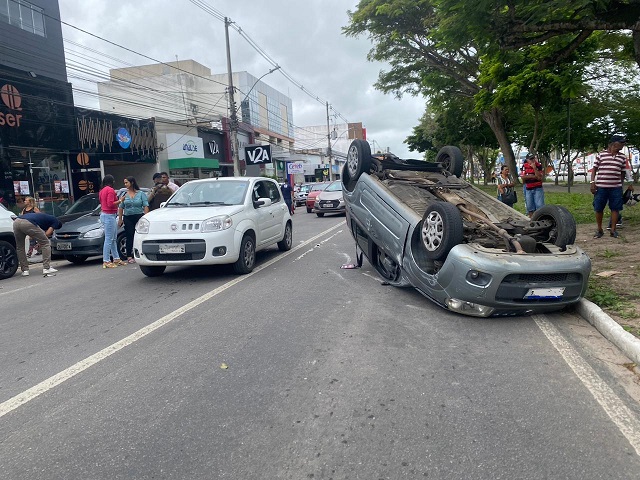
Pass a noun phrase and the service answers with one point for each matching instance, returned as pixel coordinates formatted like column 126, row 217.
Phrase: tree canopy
column 520, row 66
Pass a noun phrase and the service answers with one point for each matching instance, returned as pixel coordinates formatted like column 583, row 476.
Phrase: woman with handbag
column 506, row 192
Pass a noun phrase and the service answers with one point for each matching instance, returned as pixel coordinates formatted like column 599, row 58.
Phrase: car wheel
column 563, row 229
column 8, row 260
column 152, row 271
column 358, row 161
column 287, row 241
column 122, row 245
column 75, row 259
column 320, row 214
column 309, row 210
column 451, row 159
column 247, row 259
column 441, row 230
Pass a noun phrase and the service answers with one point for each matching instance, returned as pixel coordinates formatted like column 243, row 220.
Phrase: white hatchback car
column 214, row 221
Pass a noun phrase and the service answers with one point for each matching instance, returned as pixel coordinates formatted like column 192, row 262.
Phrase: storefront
column 36, row 135
column 190, row 159
column 111, row 144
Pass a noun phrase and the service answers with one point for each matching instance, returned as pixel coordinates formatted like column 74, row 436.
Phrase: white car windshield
column 334, row 187
column 203, row 194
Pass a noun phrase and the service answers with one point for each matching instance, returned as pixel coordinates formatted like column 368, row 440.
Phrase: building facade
column 37, row 128
column 188, row 101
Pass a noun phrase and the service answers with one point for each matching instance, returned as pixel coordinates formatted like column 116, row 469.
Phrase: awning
column 178, row 163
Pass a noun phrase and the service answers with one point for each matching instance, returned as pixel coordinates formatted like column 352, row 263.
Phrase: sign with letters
column 257, row 154
column 295, row 167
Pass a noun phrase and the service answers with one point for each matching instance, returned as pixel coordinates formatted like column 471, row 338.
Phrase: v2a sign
column 257, row 154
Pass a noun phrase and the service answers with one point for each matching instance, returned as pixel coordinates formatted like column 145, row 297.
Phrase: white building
column 185, row 94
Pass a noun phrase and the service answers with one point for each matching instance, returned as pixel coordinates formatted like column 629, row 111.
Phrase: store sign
column 214, row 149
column 258, row 154
column 184, row 146
column 295, row 167
column 12, row 100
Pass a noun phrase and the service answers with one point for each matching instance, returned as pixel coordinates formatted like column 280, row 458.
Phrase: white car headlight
column 142, row 226
column 95, row 233
column 215, row 224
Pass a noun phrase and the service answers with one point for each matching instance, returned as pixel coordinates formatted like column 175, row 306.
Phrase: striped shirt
column 610, row 169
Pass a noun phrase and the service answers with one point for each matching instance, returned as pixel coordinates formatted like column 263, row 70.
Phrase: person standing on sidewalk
column 532, row 177
column 607, row 176
column 109, row 203
column 134, row 205
column 40, row 227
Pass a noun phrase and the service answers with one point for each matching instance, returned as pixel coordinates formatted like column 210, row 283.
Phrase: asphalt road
column 107, row 374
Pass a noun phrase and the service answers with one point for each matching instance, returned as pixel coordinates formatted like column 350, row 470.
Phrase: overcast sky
column 302, row 36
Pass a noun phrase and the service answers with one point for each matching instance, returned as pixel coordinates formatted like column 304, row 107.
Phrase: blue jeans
column 534, row 199
column 110, row 247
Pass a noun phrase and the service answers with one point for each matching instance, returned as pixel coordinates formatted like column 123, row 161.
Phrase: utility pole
column 233, row 123
column 331, row 176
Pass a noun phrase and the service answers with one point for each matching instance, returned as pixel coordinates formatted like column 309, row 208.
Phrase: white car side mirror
column 263, row 202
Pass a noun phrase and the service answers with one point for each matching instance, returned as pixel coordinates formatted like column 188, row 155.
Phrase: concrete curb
column 610, row 329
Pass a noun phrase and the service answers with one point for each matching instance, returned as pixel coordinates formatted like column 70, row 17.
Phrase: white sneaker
column 25, row 273
column 48, row 271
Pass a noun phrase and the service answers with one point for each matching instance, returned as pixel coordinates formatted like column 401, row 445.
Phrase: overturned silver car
column 420, row 225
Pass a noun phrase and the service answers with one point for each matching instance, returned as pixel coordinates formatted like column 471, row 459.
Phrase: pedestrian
column 506, row 184
column 287, row 195
column 39, row 226
column 30, row 207
column 134, row 205
column 607, row 176
column 165, row 180
column 159, row 193
column 532, row 175
column 109, row 204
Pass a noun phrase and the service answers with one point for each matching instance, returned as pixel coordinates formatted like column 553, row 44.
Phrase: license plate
column 555, row 292
column 63, row 246
column 171, row 248
column 327, row 205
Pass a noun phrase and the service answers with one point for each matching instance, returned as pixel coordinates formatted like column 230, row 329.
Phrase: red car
column 316, row 188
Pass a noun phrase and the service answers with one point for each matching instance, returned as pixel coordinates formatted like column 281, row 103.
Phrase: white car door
column 264, row 213
column 279, row 210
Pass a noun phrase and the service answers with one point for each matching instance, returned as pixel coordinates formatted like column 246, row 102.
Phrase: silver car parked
column 421, row 225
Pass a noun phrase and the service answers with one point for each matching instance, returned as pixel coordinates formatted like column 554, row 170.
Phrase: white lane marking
column 55, row 380
column 624, row 419
column 21, row 288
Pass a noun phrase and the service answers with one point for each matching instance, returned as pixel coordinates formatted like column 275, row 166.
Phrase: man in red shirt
column 532, row 178
column 607, row 176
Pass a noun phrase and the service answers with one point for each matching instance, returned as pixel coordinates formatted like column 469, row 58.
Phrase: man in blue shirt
column 40, row 227
column 287, row 195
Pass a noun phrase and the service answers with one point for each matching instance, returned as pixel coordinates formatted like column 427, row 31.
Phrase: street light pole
column 233, row 123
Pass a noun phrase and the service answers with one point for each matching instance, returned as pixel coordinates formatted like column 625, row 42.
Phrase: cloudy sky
column 302, row 36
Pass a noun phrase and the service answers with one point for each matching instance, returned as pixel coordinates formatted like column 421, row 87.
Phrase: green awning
column 178, row 163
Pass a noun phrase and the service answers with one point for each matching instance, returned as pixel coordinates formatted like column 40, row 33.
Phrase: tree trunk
column 495, row 121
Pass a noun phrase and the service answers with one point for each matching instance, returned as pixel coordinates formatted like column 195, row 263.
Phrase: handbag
column 510, row 197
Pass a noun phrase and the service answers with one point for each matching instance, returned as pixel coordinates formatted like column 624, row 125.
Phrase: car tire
column 358, row 161
column 441, row 230
column 247, row 259
column 122, row 245
column 152, row 271
column 75, row 259
column 287, row 241
column 451, row 159
column 309, row 210
column 563, row 231
column 8, row 260
column 320, row 214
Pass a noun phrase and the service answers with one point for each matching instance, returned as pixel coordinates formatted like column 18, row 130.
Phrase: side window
column 274, row 191
column 259, row 191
